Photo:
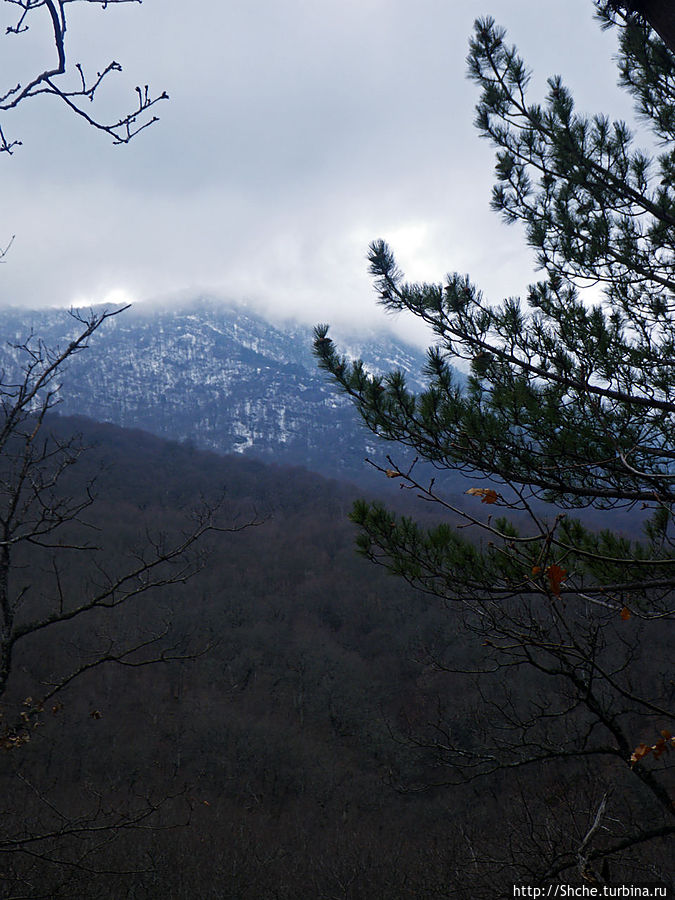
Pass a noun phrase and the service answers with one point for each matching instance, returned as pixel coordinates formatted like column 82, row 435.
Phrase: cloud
column 296, row 133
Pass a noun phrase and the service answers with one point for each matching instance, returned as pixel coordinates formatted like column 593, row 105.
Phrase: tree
column 659, row 15
column 31, row 465
column 44, row 592
column 70, row 84
column 35, row 509
column 66, row 597
column 566, row 421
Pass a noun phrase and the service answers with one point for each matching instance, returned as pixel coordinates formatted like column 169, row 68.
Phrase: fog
column 295, row 134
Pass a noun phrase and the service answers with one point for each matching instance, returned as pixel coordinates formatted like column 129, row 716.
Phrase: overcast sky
column 297, row 132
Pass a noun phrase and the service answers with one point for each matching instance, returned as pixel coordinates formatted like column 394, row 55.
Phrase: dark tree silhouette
column 65, row 599
column 657, row 14
column 569, row 406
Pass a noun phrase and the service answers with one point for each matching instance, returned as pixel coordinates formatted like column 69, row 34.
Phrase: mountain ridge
column 220, row 376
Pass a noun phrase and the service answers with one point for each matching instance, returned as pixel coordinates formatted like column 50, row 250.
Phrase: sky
column 297, row 131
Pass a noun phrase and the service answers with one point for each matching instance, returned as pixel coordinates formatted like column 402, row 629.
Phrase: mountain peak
column 221, row 376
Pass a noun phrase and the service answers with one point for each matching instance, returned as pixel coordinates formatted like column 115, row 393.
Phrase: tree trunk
column 661, row 16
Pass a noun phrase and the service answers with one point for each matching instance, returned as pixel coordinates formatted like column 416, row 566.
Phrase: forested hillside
column 293, row 752
column 273, row 736
column 216, row 374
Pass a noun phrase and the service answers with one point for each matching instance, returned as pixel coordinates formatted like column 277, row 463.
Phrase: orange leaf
column 536, row 570
column 556, row 575
column 625, row 614
column 487, row 495
column 659, row 748
column 639, row 753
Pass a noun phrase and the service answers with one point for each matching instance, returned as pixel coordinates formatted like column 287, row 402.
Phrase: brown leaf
column 625, row 614
column 659, row 748
column 556, row 576
column 487, row 495
column 639, row 753
column 392, row 473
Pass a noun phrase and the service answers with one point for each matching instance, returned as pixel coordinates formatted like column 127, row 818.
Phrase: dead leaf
column 556, row 576
column 665, row 742
column 487, row 495
column 639, row 753
column 625, row 614
column 659, row 748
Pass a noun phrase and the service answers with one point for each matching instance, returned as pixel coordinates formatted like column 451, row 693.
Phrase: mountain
column 218, row 376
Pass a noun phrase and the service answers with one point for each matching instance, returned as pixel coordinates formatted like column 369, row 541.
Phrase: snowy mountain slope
column 219, row 376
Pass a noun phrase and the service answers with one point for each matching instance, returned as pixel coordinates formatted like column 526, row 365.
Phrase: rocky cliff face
column 219, row 376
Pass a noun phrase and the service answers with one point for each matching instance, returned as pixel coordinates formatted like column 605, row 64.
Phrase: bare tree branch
column 53, row 79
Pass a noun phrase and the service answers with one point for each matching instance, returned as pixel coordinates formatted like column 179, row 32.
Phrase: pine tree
column 567, row 417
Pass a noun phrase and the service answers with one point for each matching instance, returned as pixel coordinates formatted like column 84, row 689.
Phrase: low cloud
column 295, row 135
